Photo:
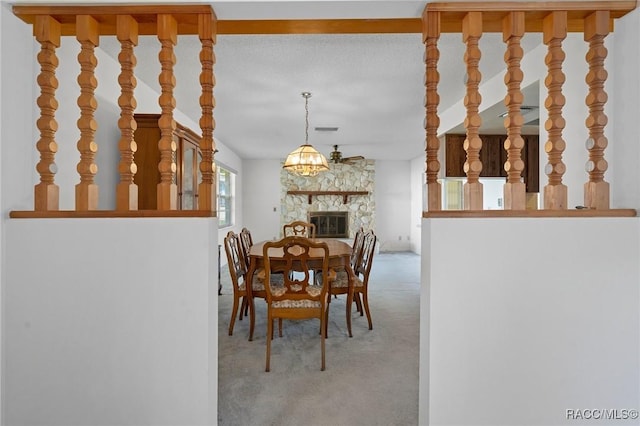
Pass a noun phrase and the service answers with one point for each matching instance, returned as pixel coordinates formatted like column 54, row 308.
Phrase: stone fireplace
column 347, row 189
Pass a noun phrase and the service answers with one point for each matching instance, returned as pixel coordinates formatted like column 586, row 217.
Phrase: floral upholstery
column 341, row 279
column 288, row 303
column 279, row 291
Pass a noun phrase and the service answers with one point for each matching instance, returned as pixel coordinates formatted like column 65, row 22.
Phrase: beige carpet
column 370, row 379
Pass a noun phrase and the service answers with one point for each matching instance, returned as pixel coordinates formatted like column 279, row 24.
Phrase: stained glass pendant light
column 305, row 160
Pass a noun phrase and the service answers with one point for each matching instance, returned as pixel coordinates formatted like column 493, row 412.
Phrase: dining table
column 339, row 258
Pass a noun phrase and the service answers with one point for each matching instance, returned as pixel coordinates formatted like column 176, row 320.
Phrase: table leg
column 248, row 282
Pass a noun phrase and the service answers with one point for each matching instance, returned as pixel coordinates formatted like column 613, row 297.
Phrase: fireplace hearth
column 330, row 224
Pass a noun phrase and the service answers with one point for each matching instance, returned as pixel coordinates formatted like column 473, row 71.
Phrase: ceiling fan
column 336, row 157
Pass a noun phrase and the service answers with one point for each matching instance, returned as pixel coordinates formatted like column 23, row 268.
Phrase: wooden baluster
column 554, row 32
column 167, row 188
column 514, row 189
column 471, row 33
column 126, row 190
column 88, row 35
column 207, row 188
column 596, row 190
column 46, row 193
column 430, row 36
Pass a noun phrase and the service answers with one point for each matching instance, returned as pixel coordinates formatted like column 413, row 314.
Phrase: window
column 226, row 197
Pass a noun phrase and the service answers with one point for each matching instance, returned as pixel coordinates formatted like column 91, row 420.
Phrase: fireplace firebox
column 330, row 224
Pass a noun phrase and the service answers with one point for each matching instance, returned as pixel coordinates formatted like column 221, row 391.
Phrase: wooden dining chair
column 299, row 297
column 339, row 278
column 238, row 272
column 361, row 261
column 362, row 271
column 299, row 228
column 258, row 287
column 356, row 252
column 246, row 241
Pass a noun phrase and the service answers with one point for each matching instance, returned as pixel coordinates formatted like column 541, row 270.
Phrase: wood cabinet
column 493, row 157
column 147, row 157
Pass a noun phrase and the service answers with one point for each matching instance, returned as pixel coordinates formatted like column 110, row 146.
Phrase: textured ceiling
column 369, row 86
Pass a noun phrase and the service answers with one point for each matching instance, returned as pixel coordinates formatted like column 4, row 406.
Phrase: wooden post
column 430, row 36
column 554, row 32
column 207, row 188
column 126, row 190
column 514, row 189
column 471, row 33
column 47, row 32
column 88, row 35
column 167, row 188
column 596, row 190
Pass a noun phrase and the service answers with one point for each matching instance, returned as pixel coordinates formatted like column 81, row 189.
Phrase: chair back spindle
column 299, row 228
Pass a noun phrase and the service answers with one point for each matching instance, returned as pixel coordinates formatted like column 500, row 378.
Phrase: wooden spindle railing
column 554, row 32
column 88, row 23
column 127, row 190
column 47, row 32
column 167, row 188
column 431, row 34
column 207, row 189
column 88, row 35
column 514, row 189
column 553, row 20
column 471, row 19
column 471, row 33
column 596, row 191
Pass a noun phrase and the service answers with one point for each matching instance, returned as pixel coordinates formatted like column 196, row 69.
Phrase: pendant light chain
column 306, row 119
column 306, row 95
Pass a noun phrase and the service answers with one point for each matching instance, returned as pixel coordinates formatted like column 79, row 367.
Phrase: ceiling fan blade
column 352, row 159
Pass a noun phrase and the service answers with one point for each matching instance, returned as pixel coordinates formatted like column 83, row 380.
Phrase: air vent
column 326, row 129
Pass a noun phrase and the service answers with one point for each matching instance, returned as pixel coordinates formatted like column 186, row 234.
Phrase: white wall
column 262, row 198
column 626, row 156
column 110, row 321
column 16, row 103
column 393, row 205
column 3, row 11
column 529, row 318
column 418, row 192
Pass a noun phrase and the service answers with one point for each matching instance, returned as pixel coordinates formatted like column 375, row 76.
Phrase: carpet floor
column 370, row 379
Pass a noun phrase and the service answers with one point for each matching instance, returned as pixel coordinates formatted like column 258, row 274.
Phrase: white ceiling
column 369, row 86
